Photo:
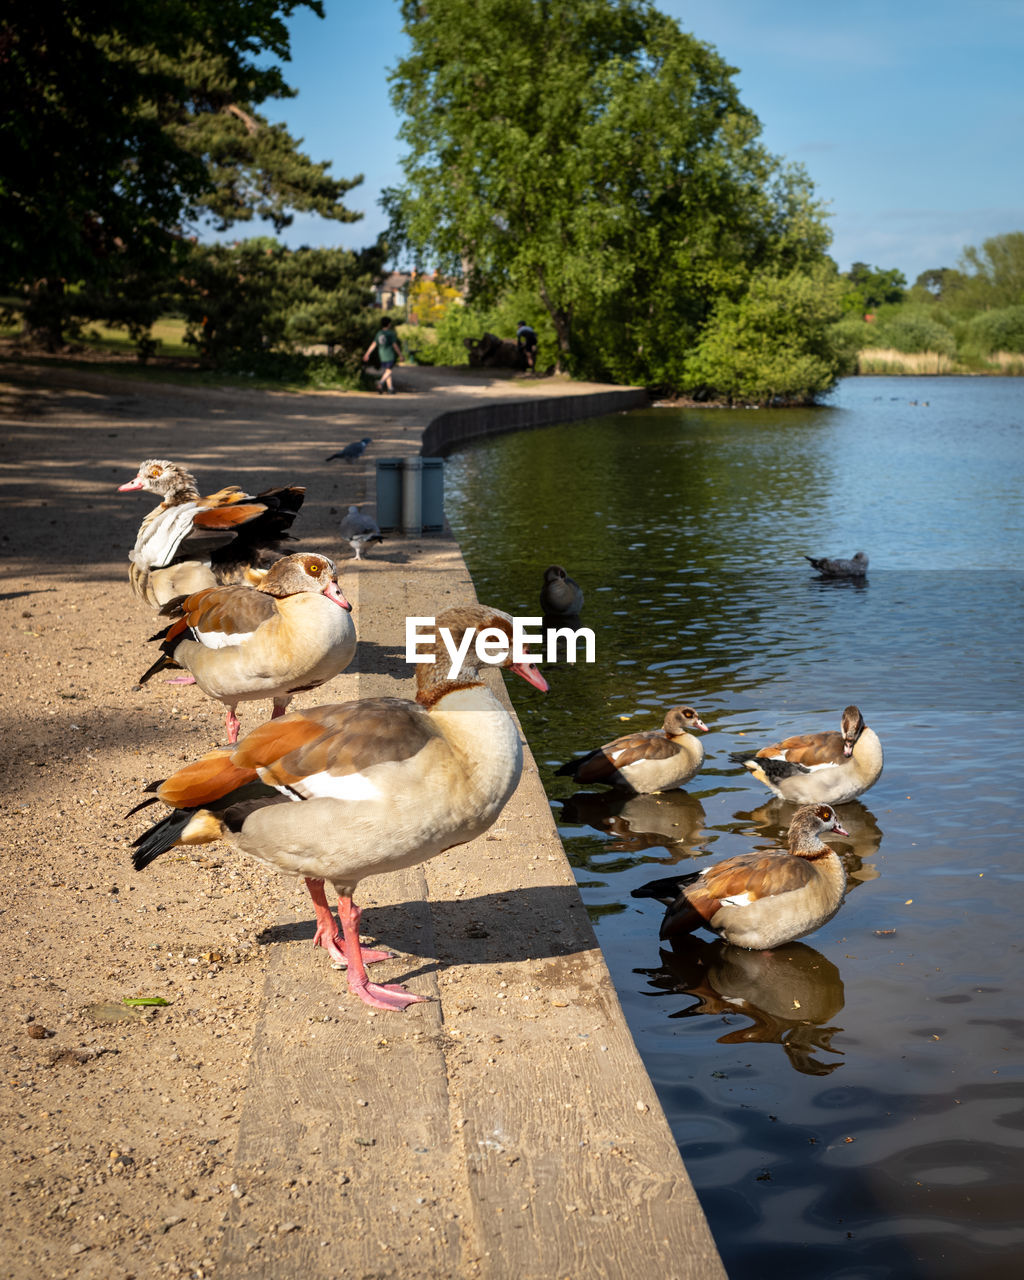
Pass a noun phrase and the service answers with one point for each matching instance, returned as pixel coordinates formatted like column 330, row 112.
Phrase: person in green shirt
column 389, row 351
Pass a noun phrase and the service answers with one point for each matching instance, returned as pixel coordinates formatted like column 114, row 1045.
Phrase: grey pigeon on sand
column 351, row 452
column 359, row 530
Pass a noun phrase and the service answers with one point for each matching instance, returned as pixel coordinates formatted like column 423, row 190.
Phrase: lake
column 849, row 1105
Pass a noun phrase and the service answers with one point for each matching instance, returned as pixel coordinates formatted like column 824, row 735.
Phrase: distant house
column 424, row 295
column 392, row 291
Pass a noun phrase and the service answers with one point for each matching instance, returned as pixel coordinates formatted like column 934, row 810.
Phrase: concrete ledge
column 457, row 426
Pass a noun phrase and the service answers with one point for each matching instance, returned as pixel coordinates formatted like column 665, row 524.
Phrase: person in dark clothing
column 389, row 351
column 526, row 341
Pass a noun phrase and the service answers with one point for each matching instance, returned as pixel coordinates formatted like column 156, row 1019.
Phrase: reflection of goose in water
column 668, row 818
column 788, row 994
column 856, row 848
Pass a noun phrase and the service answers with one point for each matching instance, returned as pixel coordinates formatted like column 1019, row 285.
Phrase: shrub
column 913, row 329
column 1000, row 330
column 779, row 343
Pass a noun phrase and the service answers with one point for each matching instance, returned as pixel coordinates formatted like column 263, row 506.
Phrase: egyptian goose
column 760, row 900
column 359, row 530
column 375, row 785
column 189, row 542
column 830, row 767
column 654, row 760
column 291, row 633
column 855, row 568
column 351, row 452
column 560, row 595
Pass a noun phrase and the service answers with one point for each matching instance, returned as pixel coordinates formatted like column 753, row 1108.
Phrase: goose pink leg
column 391, row 995
column 327, row 933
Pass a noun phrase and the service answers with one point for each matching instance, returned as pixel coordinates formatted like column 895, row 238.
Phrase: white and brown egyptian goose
column 654, row 760
column 359, row 530
column 829, row 767
column 290, row 634
column 857, row 567
column 560, row 596
column 190, row 542
column 761, row 900
column 357, row 789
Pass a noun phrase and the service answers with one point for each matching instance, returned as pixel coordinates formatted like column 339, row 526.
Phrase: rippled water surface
column 849, row 1105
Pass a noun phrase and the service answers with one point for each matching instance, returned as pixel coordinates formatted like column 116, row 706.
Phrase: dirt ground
column 145, row 1141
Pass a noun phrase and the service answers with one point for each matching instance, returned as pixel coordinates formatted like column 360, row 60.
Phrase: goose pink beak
column 531, row 675
column 132, row 484
column 333, row 592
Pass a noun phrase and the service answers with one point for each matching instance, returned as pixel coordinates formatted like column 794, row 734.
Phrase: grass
column 887, row 360
column 170, row 333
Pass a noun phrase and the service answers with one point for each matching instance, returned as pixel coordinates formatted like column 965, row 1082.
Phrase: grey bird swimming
column 855, row 568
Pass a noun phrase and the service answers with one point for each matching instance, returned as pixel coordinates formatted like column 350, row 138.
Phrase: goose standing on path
column 359, row 530
column 760, row 900
column 653, row 760
column 189, row 542
column 355, row 789
column 290, row 634
column 830, row 767
column 857, row 567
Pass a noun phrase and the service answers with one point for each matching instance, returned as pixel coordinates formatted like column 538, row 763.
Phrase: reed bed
column 889, row 360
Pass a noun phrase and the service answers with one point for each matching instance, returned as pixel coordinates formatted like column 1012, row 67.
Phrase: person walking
column 389, row 352
column 526, row 341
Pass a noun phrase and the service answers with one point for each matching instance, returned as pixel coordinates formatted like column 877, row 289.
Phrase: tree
column 122, row 122
column 591, row 152
column 244, row 300
column 992, row 276
column 778, row 344
column 873, row 287
column 936, row 281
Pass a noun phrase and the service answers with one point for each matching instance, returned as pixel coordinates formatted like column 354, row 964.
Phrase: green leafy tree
column 1001, row 329
column 990, row 276
column 779, row 343
column 594, row 155
column 245, row 302
column 873, row 287
column 913, row 328
column 122, row 122
column 935, row 282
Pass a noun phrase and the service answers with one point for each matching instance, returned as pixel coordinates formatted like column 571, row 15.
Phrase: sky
column 908, row 115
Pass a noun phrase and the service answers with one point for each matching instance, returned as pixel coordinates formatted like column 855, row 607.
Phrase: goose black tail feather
column 158, row 839
column 666, row 890
column 568, row 770
column 163, row 663
column 741, row 757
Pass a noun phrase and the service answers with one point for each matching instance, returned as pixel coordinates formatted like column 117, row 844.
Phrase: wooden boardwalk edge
column 509, row 1128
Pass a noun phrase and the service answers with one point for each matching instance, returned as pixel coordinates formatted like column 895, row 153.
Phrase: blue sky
column 907, row 114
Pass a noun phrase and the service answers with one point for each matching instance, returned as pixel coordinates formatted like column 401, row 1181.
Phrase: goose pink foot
column 181, row 680
column 391, row 995
column 328, row 935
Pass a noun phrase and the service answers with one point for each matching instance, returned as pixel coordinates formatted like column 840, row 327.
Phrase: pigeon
column 351, row 452
column 359, row 530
